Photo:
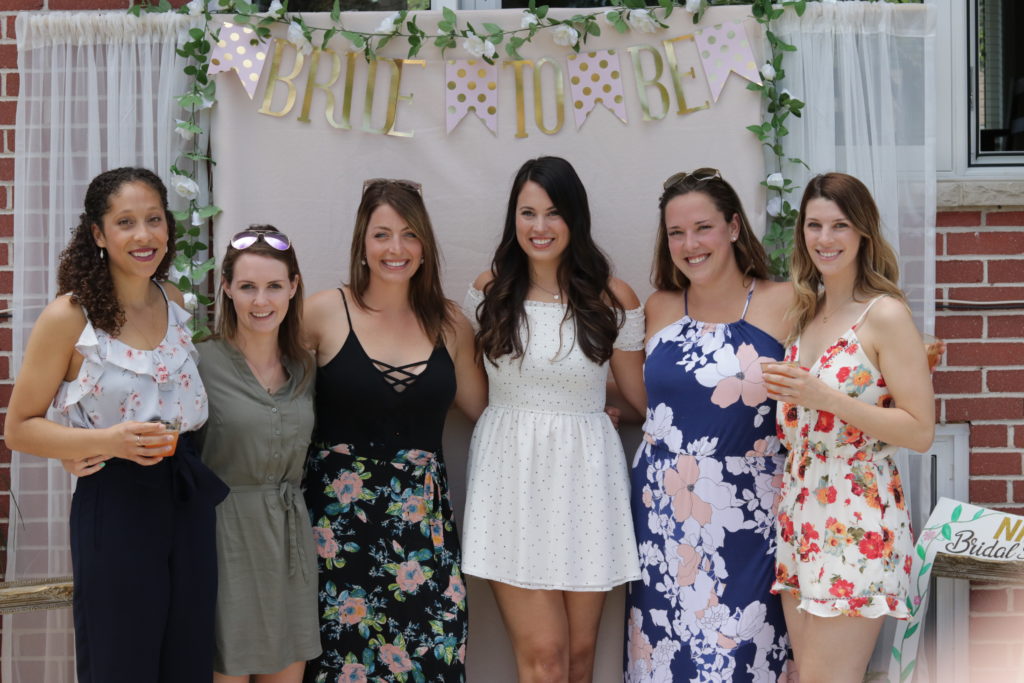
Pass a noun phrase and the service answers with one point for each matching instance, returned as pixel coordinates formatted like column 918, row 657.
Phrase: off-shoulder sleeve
column 474, row 297
column 631, row 334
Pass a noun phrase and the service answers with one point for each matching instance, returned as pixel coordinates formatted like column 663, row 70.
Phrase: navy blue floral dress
column 392, row 600
column 705, row 490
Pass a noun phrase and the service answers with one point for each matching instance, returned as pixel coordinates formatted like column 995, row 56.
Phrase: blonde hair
column 878, row 270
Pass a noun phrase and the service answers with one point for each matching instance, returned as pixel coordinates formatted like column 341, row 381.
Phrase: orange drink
column 171, row 427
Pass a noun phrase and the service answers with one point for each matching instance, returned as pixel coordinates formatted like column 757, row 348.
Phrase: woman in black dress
column 392, row 355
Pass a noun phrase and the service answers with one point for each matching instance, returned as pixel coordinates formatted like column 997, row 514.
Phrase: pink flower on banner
column 724, row 48
column 596, row 78
column 471, row 85
column 234, row 51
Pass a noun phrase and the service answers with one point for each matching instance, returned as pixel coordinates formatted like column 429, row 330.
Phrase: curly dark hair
column 82, row 272
column 583, row 273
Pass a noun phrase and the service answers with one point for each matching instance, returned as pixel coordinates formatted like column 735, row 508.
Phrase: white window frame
column 955, row 157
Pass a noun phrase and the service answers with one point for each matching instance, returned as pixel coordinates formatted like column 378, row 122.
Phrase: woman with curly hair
column 110, row 363
column 855, row 390
column 547, row 512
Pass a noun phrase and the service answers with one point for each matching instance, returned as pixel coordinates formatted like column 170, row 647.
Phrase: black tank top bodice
column 356, row 404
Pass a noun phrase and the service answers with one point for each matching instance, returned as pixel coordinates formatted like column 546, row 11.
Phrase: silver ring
column 138, row 440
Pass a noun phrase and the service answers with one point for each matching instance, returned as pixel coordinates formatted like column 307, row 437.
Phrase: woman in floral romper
column 857, row 391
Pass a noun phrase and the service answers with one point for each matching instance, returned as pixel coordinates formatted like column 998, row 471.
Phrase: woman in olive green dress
column 258, row 377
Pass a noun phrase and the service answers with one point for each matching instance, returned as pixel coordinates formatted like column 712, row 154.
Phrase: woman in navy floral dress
column 392, row 355
column 706, row 479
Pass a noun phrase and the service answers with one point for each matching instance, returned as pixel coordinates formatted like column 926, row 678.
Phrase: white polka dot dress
column 547, row 503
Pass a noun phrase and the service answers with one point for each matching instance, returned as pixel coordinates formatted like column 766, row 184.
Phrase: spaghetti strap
column 746, row 305
column 867, row 308
column 161, row 288
column 344, row 300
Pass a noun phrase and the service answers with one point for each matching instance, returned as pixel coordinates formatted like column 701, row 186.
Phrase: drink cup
column 766, row 374
column 171, row 427
column 933, row 348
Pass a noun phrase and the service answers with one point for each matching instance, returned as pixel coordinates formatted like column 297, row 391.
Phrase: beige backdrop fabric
column 306, row 179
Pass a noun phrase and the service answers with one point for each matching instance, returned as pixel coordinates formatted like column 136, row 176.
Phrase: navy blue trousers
column 143, row 550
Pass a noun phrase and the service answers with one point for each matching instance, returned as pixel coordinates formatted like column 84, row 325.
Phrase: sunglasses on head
column 272, row 238
column 400, row 182
column 700, row 175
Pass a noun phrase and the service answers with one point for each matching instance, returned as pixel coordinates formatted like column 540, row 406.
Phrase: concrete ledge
column 979, row 193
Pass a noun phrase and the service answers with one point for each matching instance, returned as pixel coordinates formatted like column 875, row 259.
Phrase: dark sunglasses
column 407, row 184
column 247, row 238
column 700, row 175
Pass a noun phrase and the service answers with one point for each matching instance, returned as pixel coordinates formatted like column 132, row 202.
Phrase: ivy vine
column 480, row 41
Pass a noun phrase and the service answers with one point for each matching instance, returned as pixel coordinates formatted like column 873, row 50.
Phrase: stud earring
column 362, row 261
column 421, row 260
column 103, row 254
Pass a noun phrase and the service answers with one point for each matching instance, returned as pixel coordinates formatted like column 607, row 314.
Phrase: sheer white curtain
column 867, row 74
column 97, row 92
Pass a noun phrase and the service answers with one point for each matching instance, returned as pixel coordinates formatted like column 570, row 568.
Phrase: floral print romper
column 844, row 538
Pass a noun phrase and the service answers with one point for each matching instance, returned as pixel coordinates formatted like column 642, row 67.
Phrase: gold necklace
column 825, row 314
column 557, row 296
column 149, row 346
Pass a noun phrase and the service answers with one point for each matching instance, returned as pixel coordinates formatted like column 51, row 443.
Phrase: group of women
column 299, row 527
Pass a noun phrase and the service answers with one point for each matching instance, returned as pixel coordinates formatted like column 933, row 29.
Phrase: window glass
column 999, row 96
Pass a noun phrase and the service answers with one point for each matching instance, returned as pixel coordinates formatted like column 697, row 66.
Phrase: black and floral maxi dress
column 392, row 600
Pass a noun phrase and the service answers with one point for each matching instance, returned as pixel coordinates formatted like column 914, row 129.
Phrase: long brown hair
column 583, row 272
column 289, row 335
column 749, row 252
column 83, row 271
column 878, row 270
column 432, row 309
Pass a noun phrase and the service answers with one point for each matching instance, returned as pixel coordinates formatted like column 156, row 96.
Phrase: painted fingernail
column 102, row 465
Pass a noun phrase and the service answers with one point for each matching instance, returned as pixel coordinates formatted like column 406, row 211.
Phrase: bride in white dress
column 547, row 513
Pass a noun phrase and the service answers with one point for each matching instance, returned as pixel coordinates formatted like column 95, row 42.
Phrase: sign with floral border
column 953, row 528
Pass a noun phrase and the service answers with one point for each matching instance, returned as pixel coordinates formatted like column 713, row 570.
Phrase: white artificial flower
column 185, row 133
column 191, row 301
column 775, row 206
column 276, row 9
column 298, row 38
column 565, row 35
column 184, row 186
column 768, row 71
column 478, row 47
column 775, row 180
column 389, row 24
column 197, row 220
column 528, row 20
column 196, row 7
column 785, row 92
column 641, row 20
column 692, row 6
column 206, row 103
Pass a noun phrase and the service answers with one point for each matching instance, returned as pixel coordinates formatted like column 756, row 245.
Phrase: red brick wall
column 980, row 258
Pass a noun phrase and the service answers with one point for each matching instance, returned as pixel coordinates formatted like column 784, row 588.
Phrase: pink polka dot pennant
column 596, row 78
column 723, row 49
column 471, row 85
column 235, row 51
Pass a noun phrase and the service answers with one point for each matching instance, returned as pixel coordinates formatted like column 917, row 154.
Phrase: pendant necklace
column 557, row 296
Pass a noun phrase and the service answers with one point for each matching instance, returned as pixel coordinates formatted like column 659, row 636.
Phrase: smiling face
column 393, row 250
column 699, row 237
column 832, row 240
column 541, row 231
column 260, row 293
column 134, row 230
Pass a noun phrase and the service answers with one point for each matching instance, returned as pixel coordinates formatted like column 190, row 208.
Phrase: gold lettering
column 518, row 65
column 311, row 85
column 275, row 68
column 1010, row 532
column 677, row 83
column 538, row 109
column 394, row 97
column 643, row 83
